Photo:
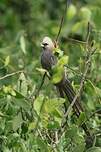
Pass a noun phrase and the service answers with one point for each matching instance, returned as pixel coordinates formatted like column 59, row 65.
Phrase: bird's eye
column 45, row 44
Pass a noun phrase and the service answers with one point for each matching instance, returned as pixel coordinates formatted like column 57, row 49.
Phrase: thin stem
column 42, row 82
column 62, row 18
column 75, row 41
column 11, row 74
column 87, row 65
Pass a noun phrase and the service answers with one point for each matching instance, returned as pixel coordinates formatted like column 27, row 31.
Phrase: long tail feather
column 67, row 88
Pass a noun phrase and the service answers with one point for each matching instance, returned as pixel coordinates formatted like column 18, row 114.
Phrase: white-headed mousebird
column 48, row 60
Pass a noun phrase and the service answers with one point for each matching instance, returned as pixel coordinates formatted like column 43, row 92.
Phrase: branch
column 74, row 41
column 88, row 32
column 11, row 74
column 80, row 89
column 78, row 41
column 96, row 112
column 62, row 18
column 90, row 51
column 74, row 71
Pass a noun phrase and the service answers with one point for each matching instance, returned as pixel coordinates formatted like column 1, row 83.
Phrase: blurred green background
column 23, row 24
column 29, row 21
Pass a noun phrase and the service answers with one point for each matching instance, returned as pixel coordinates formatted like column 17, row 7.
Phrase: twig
column 79, row 91
column 3, row 61
column 95, row 112
column 41, row 135
column 42, row 82
column 94, row 142
column 62, row 19
column 56, row 137
column 75, row 41
column 78, row 41
column 3, row 115
column 53, row 143
column 51, row 140
column 87, row 64
column 11, row 74
column 74, row 71
column 88, row 32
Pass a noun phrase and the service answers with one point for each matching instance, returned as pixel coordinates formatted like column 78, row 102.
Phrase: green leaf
column 1, row 114
column 85, row 13
column 96, row 15
column 13, row 93
column 22, row 103
column 98, row 91
column 72, row 132
column 57, row 76
column 90, row 102
column 9, row 90
column 90, row 87
column 23, row 44
column 23, row 84
column 53, row 106
column 53, row 125
column 80, row 147
column 38, row 103
column 17, row 121
column 71, row 12
column 19, row 95
column 58, row 52
column 42, row 71
column 39, row 145
column 81, row 119
column 6, row 149
column 50, row 110
column 63, row 60
column 77, row 28
column 32, row 125
column 57, row 113
column 7, row 60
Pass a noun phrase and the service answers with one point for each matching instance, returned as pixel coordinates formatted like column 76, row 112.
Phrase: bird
column 48, row 60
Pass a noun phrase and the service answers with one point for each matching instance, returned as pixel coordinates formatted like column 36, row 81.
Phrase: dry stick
column 42, row 137
column 80, row 89
column 87, row 64
column 75, row 41
column 62, row 19
column 39, row 132
column 52, row 142
column 11, row 74
column 74, row 71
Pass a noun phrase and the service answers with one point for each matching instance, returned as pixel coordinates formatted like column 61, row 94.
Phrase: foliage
column 28, row 124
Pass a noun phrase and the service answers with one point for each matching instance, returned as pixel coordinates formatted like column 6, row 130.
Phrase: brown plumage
column 48, row 59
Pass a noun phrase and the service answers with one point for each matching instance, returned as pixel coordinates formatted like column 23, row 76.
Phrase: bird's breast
column 47, row 59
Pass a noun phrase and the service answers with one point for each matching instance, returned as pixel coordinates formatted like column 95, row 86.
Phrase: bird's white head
column 47, row 44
